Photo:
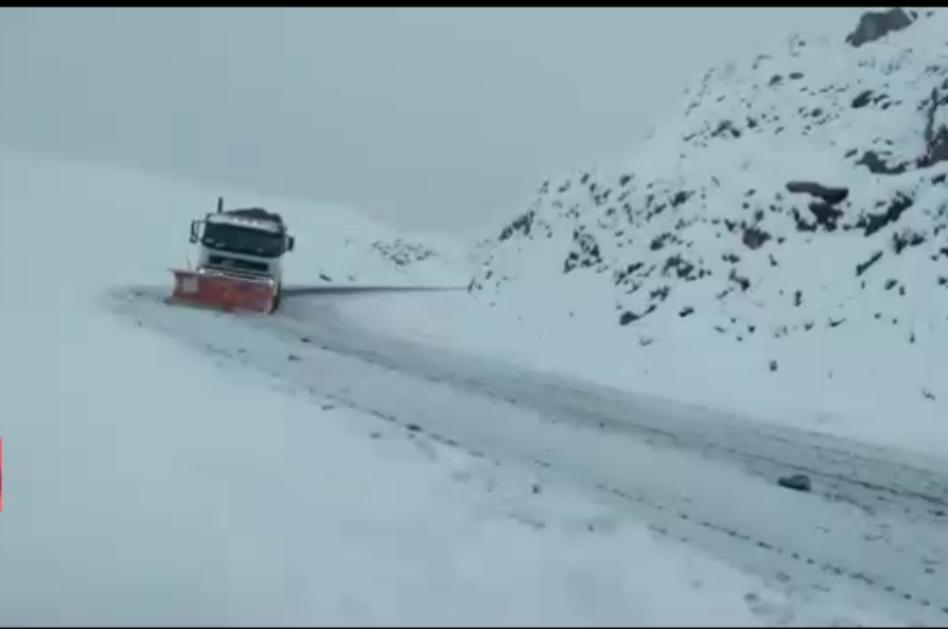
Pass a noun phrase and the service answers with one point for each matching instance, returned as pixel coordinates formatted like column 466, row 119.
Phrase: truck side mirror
column 194, row 231
column 290, row 243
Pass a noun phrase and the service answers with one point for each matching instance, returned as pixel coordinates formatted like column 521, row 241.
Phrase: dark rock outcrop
column 874, row 222
column 862, row 99
column 585, row 252
column 937, row 148
column 754, row 237
column 907, row 238
column 403, row 253
column 521, row 224
column 874, row 25
column 826, row 215
column 936, row 138
column 828, row 194
column 878, row 166
column 628, row 316
column 797, row 482
column 862, row 267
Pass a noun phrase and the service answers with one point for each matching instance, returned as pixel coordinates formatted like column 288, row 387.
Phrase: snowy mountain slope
column 786, row 227
column 143, row 486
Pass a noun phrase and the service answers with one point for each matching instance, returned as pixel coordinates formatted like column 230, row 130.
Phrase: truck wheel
column 278, row 298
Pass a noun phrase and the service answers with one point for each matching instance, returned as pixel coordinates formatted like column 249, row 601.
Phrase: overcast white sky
column 445, row 119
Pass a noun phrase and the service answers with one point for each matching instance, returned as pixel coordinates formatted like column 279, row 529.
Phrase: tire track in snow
column 766, row 450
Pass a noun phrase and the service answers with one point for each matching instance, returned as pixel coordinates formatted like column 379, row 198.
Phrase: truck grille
column 237, row 264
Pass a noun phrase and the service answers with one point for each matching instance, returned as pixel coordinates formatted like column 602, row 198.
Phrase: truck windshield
column 242, row 240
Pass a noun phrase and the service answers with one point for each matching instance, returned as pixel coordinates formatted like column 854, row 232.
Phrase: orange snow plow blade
column 224, row 291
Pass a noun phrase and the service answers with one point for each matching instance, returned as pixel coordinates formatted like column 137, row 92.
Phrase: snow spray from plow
column 235, row 297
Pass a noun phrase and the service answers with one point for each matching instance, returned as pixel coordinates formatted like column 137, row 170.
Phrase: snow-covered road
column 873, row 530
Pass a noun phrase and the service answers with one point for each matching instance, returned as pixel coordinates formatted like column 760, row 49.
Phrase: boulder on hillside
column 875, row 25
column 937, row 148
column 828, row 194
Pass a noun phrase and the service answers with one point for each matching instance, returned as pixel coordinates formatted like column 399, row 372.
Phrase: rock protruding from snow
column 874, row 25
column 829, row 195
column 797, row 482
column 403, row 253
column 936, row 127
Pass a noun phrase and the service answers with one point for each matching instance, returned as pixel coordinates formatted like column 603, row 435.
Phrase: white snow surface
column 632, row 275
column 145, row 484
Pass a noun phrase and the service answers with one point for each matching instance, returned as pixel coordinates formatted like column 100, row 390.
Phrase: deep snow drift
column 777, row 247
column 143, row 485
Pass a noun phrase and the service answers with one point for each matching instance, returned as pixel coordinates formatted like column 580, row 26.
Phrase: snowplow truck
column 239, row 262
